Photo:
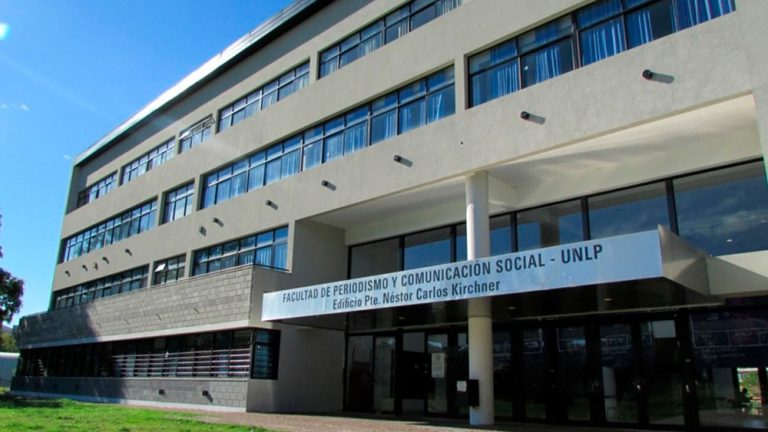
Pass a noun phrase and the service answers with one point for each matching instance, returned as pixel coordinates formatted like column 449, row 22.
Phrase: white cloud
column 19, row 107
column 67, row 157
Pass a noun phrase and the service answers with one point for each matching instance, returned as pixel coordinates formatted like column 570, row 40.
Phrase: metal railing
column 234, row 362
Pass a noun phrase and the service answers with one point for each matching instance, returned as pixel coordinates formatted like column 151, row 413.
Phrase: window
column 97, row 190
column 419, row 103
column 724, row 211
column 124, row 282
column 195, row 134
column 178, row 202
column 375, row 258
column 550, row 225
column 383, row 31
column 276, row 90
column 602, row 31
column 155, row 157
column 266, row 354
column 169, row 270
column 494, row 73
column 546, row 52
column 604, row 28
column 132, row 222
column 627, row 211
column 427, row 249
column 222, row 354
column 267, row 249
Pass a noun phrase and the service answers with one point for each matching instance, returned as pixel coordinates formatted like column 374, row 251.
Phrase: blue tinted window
column 602, row 41
column 547, row 63
column 628, row 211
column 650, row 23
column 725, row 211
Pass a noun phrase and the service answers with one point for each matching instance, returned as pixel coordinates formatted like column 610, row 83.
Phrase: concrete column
column 479, row 316
column 761, row 106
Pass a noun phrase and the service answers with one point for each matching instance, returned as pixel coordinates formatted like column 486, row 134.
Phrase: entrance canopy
column 639, row 256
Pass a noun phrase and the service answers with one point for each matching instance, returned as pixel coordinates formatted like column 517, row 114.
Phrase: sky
column 71, row 71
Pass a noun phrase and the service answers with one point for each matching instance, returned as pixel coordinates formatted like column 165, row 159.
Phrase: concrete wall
column 229, row 393
column 601, row 98
column 310, row 377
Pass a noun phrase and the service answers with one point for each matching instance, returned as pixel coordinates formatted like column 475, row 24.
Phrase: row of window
column 97, row 190
column 153, row 158
column 267, row 249
column 414, row 105
column 532, row 57
column 127, row 224
column 723, row 211
column 178, row 203
column 127, row 281
column 264, row 96
column 408, row 17
column 590, row 34
column 226, row 354
column 259, row 99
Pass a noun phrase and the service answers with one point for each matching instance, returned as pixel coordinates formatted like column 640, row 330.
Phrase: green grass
column 30, row 414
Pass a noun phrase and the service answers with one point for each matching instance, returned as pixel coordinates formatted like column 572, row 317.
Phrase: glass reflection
column 427, row 248
column 628, row 211
column 730, row 357
column 550, row 226
column 384, row 374
column 375, row 258
column 617, row 366
column 661, row 362
column 359, row 372
column 724, row 211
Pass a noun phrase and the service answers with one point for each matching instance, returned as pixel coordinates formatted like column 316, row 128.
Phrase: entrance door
column 413, row 370
column 448, row 362
column 643, row 373
column 556, row 380
column 632, row 371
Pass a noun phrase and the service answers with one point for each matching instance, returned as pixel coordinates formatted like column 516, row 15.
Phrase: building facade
column 375, row 205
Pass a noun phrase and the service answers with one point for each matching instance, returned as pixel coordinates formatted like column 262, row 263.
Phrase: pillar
column 479, row 310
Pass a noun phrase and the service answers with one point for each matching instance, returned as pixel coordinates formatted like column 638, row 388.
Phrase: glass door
column 537, row 371
column 556, row 380
column 413, row 372
column 662, row 383
column 574, row 384
column 620, row 386
column 437, row 348
column 384, row 375
column 448, row 362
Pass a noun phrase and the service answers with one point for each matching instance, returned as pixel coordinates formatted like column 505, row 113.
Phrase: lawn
column 30, row 414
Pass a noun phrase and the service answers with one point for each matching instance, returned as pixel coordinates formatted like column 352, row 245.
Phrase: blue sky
column 70, row 72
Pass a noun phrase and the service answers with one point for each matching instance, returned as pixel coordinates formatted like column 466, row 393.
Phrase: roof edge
column 223, row 60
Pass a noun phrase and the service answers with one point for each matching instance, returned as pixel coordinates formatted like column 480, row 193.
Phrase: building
column 288, row 228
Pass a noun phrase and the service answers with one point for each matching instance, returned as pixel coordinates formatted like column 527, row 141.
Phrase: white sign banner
column 613, row 259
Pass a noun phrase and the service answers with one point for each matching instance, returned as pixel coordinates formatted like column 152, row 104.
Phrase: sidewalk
column 348, row 422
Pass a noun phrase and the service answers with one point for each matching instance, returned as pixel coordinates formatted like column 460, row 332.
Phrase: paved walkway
column 353, row 423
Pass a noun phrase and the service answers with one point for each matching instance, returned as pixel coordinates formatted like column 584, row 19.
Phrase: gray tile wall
column 205, row 300
column 222, row 393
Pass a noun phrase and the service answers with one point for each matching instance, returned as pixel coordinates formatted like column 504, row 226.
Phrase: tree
column 7, row 342
column 11, row 290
